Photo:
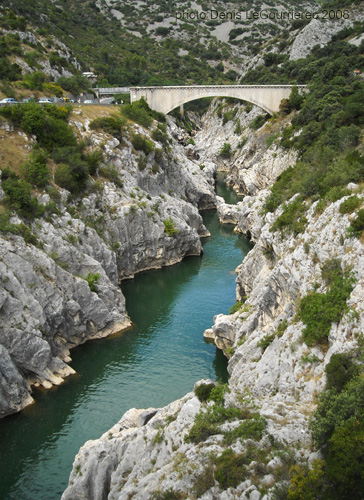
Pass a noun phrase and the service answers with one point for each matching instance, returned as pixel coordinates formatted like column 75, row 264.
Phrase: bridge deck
column 166, row 98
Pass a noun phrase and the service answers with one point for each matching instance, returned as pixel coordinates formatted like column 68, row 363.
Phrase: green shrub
column 345, row 459
column 225, row 151
column 72, row 239
column 336, row 193
column 36, row 79
column 159, row 134
column 318, row 311
column 251, row 428
column 203, row 391
column 28, row 236
column 266, row 341
column 170, row 227
column 139, row 112
column 74, row 84
column 47, row 123
column 113, row 125
column 18, row 195
column 230, row 469
column 169, row 494
column 338, row 430
column 308, row 484
column 56, row 133
column 71, row 177
column 158, row 155
column 357, row 225
column 35, row 170
column 111, row 173
column 17, row 192
column 30, row 117
column 242, row 142
column 5, row 225
column 336, row 407
column 306, row 358
column 204, row 480
column 92, row 280
column 20, row 229
column 292, row 218
column 141, row 144
column 142, row 162
column 218, row 394
column 258, row 122
column 270, row 140
column 236, row 307
column 93, row 160
column 228, row 116
column 350, row 204
column 281, row 328
column 339, row 371
column 207, row 422
column 330, row 270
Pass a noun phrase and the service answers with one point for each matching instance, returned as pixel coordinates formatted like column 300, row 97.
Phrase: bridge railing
column 112, row 90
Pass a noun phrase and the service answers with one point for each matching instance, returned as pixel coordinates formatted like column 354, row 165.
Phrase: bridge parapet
column 164, row 99
column 111, row 91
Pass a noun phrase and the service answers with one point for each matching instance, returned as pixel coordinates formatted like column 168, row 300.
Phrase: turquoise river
column 158, row 360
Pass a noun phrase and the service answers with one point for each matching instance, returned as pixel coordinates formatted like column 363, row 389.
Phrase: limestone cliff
column 260, row 425
column 114, row 231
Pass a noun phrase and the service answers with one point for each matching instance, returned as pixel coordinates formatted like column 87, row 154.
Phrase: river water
column 158, row 360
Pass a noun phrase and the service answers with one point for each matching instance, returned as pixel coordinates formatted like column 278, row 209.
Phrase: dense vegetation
column 330, row 122
column 338, row 431
column 56, row 142
column 113, row 51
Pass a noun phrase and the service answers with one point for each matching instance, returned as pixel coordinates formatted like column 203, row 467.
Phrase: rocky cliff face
column 255, row 160
column 275, row 377
column 320, row 31
column 115, row 231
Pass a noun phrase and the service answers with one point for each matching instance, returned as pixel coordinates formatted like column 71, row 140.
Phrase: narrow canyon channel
column 158, row 360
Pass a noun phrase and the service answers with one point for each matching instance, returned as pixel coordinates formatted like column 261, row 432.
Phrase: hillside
column 143, row 43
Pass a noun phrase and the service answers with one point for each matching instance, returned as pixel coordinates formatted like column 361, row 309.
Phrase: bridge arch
column 165, row 99
column 186, row 100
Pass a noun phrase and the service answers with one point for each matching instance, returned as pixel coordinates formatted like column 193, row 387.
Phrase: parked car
column 45, row 100
column 9, row 100
column 28, row 99
column 88, row 101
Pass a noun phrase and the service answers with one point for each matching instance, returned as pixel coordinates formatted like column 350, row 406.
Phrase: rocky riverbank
column 59, row 285
column 257, row 427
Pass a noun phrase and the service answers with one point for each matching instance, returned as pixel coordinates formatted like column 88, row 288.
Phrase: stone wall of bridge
column 164, row 99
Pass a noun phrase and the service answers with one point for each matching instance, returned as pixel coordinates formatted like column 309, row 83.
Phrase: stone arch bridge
column 164, row 99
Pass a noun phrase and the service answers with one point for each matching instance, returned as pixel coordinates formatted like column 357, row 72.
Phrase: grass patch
column 170, row 227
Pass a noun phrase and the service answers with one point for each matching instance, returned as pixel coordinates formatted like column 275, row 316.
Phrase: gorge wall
column 114, row 231
column 260, row 425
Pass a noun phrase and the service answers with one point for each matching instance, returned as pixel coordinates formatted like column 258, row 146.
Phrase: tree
column 295, row 98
